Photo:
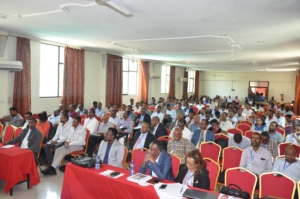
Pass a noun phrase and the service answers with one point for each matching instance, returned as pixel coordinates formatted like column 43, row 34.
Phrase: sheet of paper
column 108, row 172
column 8, row 146
column 172, row 191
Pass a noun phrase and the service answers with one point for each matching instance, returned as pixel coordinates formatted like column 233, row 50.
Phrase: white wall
column 213, row 84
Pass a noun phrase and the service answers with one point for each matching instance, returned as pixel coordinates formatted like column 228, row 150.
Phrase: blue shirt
column 290, row 170
column 277, row 137
column 105, row 160
column 99, row 112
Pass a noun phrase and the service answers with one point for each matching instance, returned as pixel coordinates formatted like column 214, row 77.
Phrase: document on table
column 172, row 191
column 8, row 146
column 109, row 172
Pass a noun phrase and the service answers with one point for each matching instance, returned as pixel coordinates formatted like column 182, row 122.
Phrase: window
column 130, row 67
column 51, row 70
column 165, row 79
column 191, row 81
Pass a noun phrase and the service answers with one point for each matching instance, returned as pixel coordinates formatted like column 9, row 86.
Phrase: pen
column 181, row 189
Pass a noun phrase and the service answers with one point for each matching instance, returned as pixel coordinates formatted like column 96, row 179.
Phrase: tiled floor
column 49, row 188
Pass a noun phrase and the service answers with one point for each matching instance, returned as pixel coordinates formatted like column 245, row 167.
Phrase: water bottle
column 97, row 164
column 131, row 168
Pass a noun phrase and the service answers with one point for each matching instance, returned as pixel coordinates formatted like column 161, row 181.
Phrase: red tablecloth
column 15, row 164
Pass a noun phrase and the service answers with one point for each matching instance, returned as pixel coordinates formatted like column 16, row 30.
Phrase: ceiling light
column 280, row 69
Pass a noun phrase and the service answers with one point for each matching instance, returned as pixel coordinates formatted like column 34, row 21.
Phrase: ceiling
column 200, row 34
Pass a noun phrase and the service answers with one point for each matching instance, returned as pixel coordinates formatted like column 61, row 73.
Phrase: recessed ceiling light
column 260, row 41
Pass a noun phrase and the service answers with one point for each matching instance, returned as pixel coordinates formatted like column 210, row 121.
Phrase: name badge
column 172, row 151
column 249, row 165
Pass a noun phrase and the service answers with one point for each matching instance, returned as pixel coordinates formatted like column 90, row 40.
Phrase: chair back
column 125, row 157
column 87, row 136
column 243, row 127
column 214, row 171
column 138, row 156
column 82, row 121
column 18, row 131
column 249, row 133
column 231, row 157
column 281, row 131
column 235, row 131
column 282, row 146
column 246, row 122
column 169, row 131
column 195, row 110
column 210, row 150
column 9, row 133
column 35, row 116
column 175, row 164
column 276, row 184
column 259, row 114
column 98, row 118
column 241, row 177
column 164, row 138
column 221, row 136
column 83, row 116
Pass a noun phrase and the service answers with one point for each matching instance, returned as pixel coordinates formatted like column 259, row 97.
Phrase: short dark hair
column 95, row 102
column 237, row 137
column 77, row 118
column 28, row 113
column 114, row 131
column 275, row 123
column 158, row 143
column 256, row 133
column 130, row 106
column 192, row 112
column 214, row 121
column 271, row 110
column 13, row 109
column 43, row 116
column 217, row 112
column 73, row 105
column 159, row 107
column 65, row 115
column 265, row 134
column 288, row 116
column 113, row 111
column 65, row 111
column 206, row 121
column 182, row 121
column 128, row 112
column 168, row 105
column 93, row 110
column 32, row 119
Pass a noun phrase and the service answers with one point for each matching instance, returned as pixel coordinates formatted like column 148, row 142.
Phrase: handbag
column 235, row 192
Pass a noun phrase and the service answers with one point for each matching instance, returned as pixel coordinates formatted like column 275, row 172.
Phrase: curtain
column 114, row 79
column 185, row 85
column 171, row 93
column 144, row 76
column 297, row 95
column 22, row 81
column 197, row 82
column 73, row 81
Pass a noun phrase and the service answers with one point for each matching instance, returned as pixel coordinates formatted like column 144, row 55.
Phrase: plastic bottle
column 131, row 168
column 97, row 164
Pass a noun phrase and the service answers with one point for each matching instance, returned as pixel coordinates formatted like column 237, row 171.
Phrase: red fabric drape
column 185, row 86
column 144, row 74
column 73, row 81
column 197, row 82
column 297, row 95
column 22, row 81
column 171, row 93
column 114, row 79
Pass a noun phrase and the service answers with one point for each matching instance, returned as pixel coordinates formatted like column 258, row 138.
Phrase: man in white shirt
column 258, row 108
column 240, row 116
column 186, row 133
column 74, row 142
column 239, row 141
column 137, row 107
column 280, row 119
column 61, row 135
column 158, row 113
column 248, row 111
column 224, row 123
column 232, row 118
column 91, row 123
column 132, row 103
column 121, row 112
column 54, row 118
column 229, row 100
column 202, row 114
column 270, row 118
column 113, row 118
column 190, row 119
column 171, row 112
column 98, row 135
column 294, row 137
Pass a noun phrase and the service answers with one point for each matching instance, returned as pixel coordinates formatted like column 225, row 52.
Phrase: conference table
column 87, row 183
column 17, row 166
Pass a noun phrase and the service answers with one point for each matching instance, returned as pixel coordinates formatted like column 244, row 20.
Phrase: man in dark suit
column 202, row 134
column 158, row 161
column 141, row 117
column 158, row 128
column 29, row 139
column 174, row 124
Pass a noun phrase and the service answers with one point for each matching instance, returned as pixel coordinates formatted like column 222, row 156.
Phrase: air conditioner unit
column 11, row 65
column 154, row 75
column 183, row 79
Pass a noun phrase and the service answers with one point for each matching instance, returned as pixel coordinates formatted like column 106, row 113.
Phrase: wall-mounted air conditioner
column 183, row 79
column 11, row 65
column 154, row 75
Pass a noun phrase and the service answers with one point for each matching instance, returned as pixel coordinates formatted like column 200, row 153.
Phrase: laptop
column 196, row 194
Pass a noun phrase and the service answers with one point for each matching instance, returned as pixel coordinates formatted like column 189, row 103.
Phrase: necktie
column 138, row 142
column 154, row 130
column 201, row 139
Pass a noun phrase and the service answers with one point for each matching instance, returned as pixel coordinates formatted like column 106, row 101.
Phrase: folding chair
column 235, row 131
column 125, row 157
column 9, row 133
column 281, row 131
column 249, row 133
column 282, row 146
column 175, row 164
column 138, row 156
column 164, row 138
column 243, row 127
column 210, row 150
column 214, row 170
column 246, row 122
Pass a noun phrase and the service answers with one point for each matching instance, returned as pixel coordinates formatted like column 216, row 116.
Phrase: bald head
column 155, row 121
column 196, row 119
column 290, row 153
column 180, row 116
column 177, row 134
column 104, row 118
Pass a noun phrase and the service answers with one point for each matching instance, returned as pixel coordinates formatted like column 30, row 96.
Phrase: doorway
column 259, row 87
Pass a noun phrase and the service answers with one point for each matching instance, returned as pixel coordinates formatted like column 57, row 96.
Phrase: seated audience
column 28, row 115
column 202, row 134
column 248, row 111
column 224, row 123
column 158, row 161
column 132, row 116
column 174, row 124
column 273, row 107
column 61, row 135
column 294, row 137
column 61, row 107
column 171, row 112
column 186, row 133
column 240, row 116
column 259, row 125
column 146, row 106
column 99, row 111
column 190, row 119
column 143, row 138
column 179, row 109
column 202, row 114
column 137, row 107
column 274, row 135
column 98, row 135
column 142, row 117
column 256, row 158
column 114, row 118
column 288, row 111
column 196, row 124
column 132, row 103
column 288, row 165
column 29, row 139
column 43, row 125
column 239, row 141
column 111, row 151
column 14, row 118
column 54, row 118
column 158, row 128
column 280, row 119
column 232, row 118
column 288, row 120
column 178, row 145
column 214, row 126
column 91, row 123
column 158, row 113
column 194, row 173
column 269, row 144
column 72, row 113
column 125, row 126
column 270, row 118
column 81, row 110
column 74, row 142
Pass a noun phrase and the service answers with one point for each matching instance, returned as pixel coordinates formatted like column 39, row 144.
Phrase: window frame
column 128, row 71
column 167, row 72
column 191, row 78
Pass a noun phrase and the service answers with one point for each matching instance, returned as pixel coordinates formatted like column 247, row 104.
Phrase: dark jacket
column 200, row 180
column 146, row 119
column 160, row 131
column 218, row 131
column 150, row 137
column 210, row 136
column 34, row 139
